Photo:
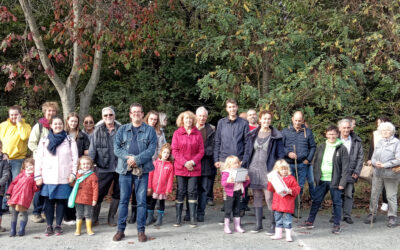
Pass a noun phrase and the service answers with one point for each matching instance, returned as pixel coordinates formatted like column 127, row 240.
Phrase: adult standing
column 252, row 119
column 386, row 156
column 39, row 131
column 263, row 148
column 354, row 147
column 134, row 145
column 88, row 125
column 101, row 150
column 55, row 168
column 299, row 144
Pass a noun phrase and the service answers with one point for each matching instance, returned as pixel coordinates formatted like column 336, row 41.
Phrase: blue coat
column 147, row 143
column 304, row 141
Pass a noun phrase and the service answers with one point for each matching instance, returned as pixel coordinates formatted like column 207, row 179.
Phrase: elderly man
column 134, row 145
column 252, row 119
column 101, row 150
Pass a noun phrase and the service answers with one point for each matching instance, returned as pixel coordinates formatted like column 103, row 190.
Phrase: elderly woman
column 386, row 156
column 263, row 147
column 188, row 150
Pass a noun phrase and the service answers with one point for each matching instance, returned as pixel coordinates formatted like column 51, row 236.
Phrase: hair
column 349, row 118
column 48, row 105
column 162, row 116
column 67, row 128
column 282, row 164
column 231, row 101
column 298, row 112
column 251, row 110
column 343, row 121
column 135, row 104
column 332, row 128
column 230, row 160
column 264, row 112
column 1, row 144
column 202, row 108
column 179, row 120
column 385, row 126
column 15, row 107
column 55, row 118
column 87, row 116
column 166, row 146
column 157, row 126
column 383, row 119
column 27, row 161
column 108, row 108
column 85, row 157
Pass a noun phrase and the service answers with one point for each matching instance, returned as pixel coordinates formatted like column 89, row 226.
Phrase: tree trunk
column 67, row 96
column 266, row 75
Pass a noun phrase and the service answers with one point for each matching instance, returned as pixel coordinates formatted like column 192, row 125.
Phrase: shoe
column 227, row 230
column 2, row 229
column 348, row 220
column 69, row 223
column 22, row 225
column 160, row 215
column 118, row 236
column 58, row 230
column 179, row 207
column 392, row 222
column 13, row 229
column 150, row 217
column 142, row 237
column 271, row 229
column 210, row 203
column 385, row 207
column 236, row 222
column 36, row 218
column 200, row 218
column 278, row 234
column 307, row 225
column 288, row 235
column 49, row 231
column 247, row 209
column 258, row 227
column 336, row 229
column 132, row 219
column 192, row 211
column 89, row 230
column 95, row 223
column 222, row 209
column 369, row 218
column 331, row 220
column 112, row 212
column 78, row 227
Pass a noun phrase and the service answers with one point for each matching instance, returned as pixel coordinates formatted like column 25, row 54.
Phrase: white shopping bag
column 278, row 183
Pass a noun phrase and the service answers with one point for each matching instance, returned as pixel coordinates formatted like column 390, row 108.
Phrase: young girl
column 84, row 195
column 4, row 176
column 283, row 207
column 160, row 183
column 20, row 194
column 234, row 191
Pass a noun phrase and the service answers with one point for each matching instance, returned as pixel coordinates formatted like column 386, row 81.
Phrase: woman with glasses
column 88, row 125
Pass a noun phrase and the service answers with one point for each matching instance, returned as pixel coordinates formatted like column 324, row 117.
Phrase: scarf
column 83, row 172
column 44, row 122
column 55, row 140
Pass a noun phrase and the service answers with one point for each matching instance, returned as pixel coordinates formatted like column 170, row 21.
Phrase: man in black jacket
column 330, row 167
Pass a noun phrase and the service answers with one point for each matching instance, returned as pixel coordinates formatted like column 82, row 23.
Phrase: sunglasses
column 88, row 122
column 108, row 115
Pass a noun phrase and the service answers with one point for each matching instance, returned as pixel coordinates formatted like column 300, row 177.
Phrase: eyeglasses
column 108, row 115
column 88, row 122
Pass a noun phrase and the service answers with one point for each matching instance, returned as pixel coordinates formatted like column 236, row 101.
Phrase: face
column 353, row 125
column 108, row 117
column 29, row 168
column 386, row 133
column 153, row 119
column 236, row 164
column 252, row 116
column 136, row 114
column 73, row 122
column 265, row 120
column 85, row 165
column 165, row 154
column 331, row 135
column 13, row 114
column 345, row 129
column 57, row 126
column 232, row 109
column 49, row 113
column 201, row 118
column 187, row 121
column 283, row 172
column 297, row 120
column 88, row 123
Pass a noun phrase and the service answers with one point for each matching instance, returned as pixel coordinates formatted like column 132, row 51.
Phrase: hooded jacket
column 21, row 190
column 15, row 138
column 161, row 179
column 285, row 204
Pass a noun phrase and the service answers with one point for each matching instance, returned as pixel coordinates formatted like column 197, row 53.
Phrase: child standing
column 84, row 194
column 160, row 183
column 4, row 176
column 234, row 191
column 20, row 195
column 283, row 207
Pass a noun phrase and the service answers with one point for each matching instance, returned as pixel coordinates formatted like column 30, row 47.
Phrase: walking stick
column 297, row 177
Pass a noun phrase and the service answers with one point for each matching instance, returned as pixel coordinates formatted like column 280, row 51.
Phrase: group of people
column 72, row 170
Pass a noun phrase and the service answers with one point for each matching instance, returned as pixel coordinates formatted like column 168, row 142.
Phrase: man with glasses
column 101, row 150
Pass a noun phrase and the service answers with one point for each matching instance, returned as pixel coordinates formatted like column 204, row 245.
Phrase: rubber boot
column 96, row 213
column 187, row 214
column 150, row 217
column 13, row 229
column 132, row 219
column 227, row 230
column 271, row 229
column 288, row 235
column 192, row 211
column 78, row 227
column 278, row 234
column 22, row 225
column 111, row 213
column 259, row 215
column 160, row 215
column 89, row 227
column 179, row 207
column 236, row 222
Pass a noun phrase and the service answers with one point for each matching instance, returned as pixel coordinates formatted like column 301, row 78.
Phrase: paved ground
column 209, row 235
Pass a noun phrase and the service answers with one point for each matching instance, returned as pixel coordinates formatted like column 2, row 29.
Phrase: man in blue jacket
column 134, row 145
column 300, row 148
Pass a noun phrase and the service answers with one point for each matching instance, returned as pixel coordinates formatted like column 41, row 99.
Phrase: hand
column 231, row 180
column 379, row 164
column 340, row 188
column 71, row 179
column 290, row 191
column 355, row 176
column 247, row 178
column 39, row 182
column 217, row 164
column 94, row 203
column 306, row 162
column 131, row 161
column 149, row 192
column 5, row 157
column 19, row 118
column 167, row 193
column 369, row 162
column 8, row 196
column 292, row 155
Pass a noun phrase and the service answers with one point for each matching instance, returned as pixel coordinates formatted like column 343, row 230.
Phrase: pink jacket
column 161, row 179
column 56, row 169
column 185, row 148
column 229, row 186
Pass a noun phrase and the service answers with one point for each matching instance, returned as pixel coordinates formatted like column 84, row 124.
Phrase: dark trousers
column 319, row 194
column 203, row 187
column 232, row 204
column 245, row 200
column 348, row 199
column 210, row 188
column 59, row 205
column 161, row 204
column 38, row 203
column 105, row 180
column 186, row 184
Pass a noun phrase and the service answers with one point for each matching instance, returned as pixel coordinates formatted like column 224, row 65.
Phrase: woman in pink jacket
column 187, row 149
column 55, row 169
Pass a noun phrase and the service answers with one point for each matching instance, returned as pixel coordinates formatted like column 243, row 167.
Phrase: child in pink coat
column 160, row 184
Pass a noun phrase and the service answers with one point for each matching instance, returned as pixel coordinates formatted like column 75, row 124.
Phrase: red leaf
column 30, row 36
column 43, row 28
column 9, row 86
column 27, row 83
column 117, row 73
column 36, row 88
column 157, row 53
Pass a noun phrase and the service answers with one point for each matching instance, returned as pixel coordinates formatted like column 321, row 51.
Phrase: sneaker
column 36, row 218
column 210, row 203
column 336, row 229
column 69, row 223
column 307, row 225
column 58, row 230
column 392, row 222
column 348, row 220
column 384, row 207
column 49, row 231
column 368, row 219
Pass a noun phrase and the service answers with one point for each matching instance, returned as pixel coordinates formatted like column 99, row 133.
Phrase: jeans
column 125, row 186
column 60, row 205
column 391, row 186
column 245, row 200
column 310, row 180
column 301, row 172
column 232, row 204
column 210, row 188
column 187, row 185
column 203, row 185
column 161, row 204
column 348, row 200
column 283, row 220
column 84, row 211
column 320, row 191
